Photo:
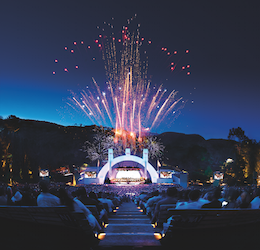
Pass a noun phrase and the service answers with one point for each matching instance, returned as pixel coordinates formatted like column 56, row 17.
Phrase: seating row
column 59, row 217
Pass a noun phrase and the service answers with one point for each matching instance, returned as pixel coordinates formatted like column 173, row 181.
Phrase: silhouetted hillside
column 31, row 145
column 28, row 145
column 193, row 152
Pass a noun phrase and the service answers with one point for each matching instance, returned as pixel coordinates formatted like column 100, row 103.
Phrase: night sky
column 222, row 90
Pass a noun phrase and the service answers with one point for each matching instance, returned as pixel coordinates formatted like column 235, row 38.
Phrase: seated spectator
column 193, row 203
column 183, row 198
column 81, row 194
column 45, row 198
column 151, row 203
column 91, row 199
column 245, row 200
column 3, row 196
column 116, row 201
column 9, row 195
column 171, row 198
column 28, row 198
column 207, row 195
column 140, row 198
column 231, row 195
column 77, row 206
column 17, row 198
column 109, row 202
column 255, row 203
column 214, row 200
column 93, row 196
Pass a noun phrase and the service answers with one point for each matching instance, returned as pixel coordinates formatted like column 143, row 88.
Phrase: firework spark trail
column 130, row 103
column 82, row 108
column 153, row 103
column 171, row 107
column 162, row 108
column 133, row 114
column 89, row 104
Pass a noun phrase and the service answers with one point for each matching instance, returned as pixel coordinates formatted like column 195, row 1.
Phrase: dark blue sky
column 223, row 38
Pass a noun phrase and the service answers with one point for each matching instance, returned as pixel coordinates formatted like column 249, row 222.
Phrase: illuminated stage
column 129, row 170
column 127, row 175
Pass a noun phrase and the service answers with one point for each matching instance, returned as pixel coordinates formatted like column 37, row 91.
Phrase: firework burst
column 129, row 102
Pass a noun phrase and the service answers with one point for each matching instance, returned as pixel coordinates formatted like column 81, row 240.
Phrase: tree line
column 24, row 150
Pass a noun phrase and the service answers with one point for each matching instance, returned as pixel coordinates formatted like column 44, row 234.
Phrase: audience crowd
column 106, row 197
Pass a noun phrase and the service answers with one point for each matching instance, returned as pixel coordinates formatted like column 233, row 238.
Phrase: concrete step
column 128, row 215
column 129, row 239
column 130, row 228
column 128, row 212
column 129, row 220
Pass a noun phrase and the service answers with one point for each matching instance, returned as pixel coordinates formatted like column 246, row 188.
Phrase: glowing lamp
column 75, row 43
column 101, row 236
column 157, row 236
column 229, row 160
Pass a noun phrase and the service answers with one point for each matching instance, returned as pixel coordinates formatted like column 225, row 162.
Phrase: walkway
column 129, row 227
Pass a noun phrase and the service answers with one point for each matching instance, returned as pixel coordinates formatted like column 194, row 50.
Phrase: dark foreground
column 128, row 229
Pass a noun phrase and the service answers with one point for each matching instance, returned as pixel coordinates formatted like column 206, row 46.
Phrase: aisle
column 129, row 227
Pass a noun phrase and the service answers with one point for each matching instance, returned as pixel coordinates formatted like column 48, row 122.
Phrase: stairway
column 129, row 227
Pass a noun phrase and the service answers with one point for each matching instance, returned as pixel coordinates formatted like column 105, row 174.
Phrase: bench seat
column 212, row 218
column 206, row 228
column 59, row 216
column 163, row 213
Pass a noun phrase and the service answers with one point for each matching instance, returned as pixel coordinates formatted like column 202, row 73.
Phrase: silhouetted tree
column 247, row 155
column 237, row 134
